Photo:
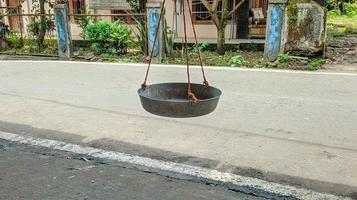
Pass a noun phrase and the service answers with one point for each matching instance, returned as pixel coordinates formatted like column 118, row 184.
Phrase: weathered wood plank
column 109, row 5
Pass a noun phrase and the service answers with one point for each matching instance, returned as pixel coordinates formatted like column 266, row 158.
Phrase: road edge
column 230, row 181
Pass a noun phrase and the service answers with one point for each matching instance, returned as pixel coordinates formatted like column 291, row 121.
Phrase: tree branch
column 206, row 4
column 215, row 18
column 224, row 10
column 214, row 5
column 235, row 8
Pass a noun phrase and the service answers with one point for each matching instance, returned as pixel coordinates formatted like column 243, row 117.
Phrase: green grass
column 343, row 20
column 338, row 24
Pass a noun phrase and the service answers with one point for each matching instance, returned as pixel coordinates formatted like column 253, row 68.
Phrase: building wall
column 204, row 31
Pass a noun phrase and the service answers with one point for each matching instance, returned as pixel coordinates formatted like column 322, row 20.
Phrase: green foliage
column 201, row 47
column 51, row 43
column 334, row 13
column 262, row 64
column 315, row 64
column 238, row 61
column 284, row 58
column 40, row 26
column 35, row 26
column 251, row 47
column 292, row 11
column 284, row 61
column 351, row 9
column 107, row 37
column 30, row 45
column 282, row 65
column 83, row 22
column 142, row 37
column 14, row 40
column 169, row 37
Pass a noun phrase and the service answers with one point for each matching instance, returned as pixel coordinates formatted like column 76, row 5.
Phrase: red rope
column 205, row 82
column 153, row 46
column 190, row 94
column 189, row 89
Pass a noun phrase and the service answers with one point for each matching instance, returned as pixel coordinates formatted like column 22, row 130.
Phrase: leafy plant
column 169, row 37
column 142, row 37
column 350, row 9
column 40, row 26
column 315, row 64
column 35, row 29
column 334, row 13
column 284, row 58
column 201, row 47
column 107, row 37
column 30, row 45
column 284, row 65
column 14, row 40
column 83, row 22
column 238, row 61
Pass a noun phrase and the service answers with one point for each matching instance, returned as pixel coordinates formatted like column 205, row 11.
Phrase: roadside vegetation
column 114, row 42
column 342, row 17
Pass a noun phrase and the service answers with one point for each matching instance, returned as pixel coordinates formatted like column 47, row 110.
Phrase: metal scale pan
column 179, row 99
column 170, row 99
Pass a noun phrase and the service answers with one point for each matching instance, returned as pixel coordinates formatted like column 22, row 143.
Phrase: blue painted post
column 276, row 29
column 153, row 14
column 65, row 47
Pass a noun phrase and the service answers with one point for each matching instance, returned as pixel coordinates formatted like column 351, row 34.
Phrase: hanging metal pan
column 170, row 99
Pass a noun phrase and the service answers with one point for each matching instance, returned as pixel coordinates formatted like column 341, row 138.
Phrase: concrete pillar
column 65, row 46
column 299, row 29
column 276, row 29
column 153, row 9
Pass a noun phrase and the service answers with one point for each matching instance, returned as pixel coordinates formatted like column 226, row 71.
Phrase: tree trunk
column 221, row 39
column 42, row 31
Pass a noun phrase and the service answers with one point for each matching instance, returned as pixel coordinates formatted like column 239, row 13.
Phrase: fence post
column 153, row 8
column 65, row 46
column 276, row 29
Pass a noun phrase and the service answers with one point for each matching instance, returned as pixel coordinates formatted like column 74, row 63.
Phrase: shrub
column 282, row 65
column 284, row 58
column 334, row 13
column 30, row 45
column 238, row 61
column 351, row 9
column 107, row 37
column 315, row 64
column 14, row 40
column 83, row 22
column 201, row 47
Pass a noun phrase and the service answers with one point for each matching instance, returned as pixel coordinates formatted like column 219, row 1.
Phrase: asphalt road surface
column 39, row 174
column 296, row 128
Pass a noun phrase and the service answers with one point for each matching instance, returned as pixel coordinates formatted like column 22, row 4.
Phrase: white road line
column 182, row 66
column 175, row 168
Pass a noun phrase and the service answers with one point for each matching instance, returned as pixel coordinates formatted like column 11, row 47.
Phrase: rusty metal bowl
column 170, row 99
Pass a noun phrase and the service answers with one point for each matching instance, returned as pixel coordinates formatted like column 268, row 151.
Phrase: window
column 128, row 19
column 200, row 13
column 78, row 6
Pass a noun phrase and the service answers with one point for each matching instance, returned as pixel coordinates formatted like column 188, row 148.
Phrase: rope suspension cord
column 190, row 94
column 189, row 89
column 205, row 82
column 144, row 85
